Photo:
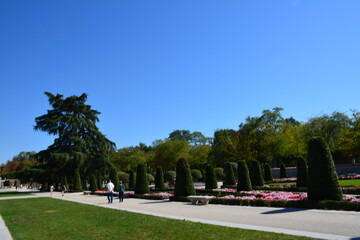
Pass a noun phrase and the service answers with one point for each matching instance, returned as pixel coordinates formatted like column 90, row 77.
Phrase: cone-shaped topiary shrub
column 114, row 177
column 244, row 182
column 196, row 175
column 100, row 183
column 210, row 177
column 219, row 172
column 256, row 176
column 132, row 179
column 323, row 183
column 267, row 173
column 302, row 172
column 229, row 175
column 159, row 179
column 283, row 173
column 142, row 184
column 93, row 184
column 184, row 185
column 77, row 182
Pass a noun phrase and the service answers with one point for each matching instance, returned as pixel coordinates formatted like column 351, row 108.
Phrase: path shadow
column 355, row 238
column 285, row 210
column 156, row 201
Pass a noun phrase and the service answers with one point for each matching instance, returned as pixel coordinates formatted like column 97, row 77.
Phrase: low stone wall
column 340, row 169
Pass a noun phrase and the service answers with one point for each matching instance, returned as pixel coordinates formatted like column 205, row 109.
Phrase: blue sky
column 151, row 67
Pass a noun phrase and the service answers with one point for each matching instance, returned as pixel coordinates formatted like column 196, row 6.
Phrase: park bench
column 202, row 199
column 87, row 192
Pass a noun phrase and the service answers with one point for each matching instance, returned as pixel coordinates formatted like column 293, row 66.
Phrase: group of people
column 110, row 191
column 61, row 188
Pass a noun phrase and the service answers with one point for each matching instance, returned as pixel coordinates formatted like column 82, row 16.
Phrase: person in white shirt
column 110, row 191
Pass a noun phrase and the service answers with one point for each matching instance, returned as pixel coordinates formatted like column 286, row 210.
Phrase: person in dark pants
column 121, row 191
column 110, row 191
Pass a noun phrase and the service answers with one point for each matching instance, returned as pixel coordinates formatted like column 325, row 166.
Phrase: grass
column 48, row 218
column 13, row 194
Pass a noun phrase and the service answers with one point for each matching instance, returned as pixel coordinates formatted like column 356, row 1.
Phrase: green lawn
column 48, row 218
column 13, row 194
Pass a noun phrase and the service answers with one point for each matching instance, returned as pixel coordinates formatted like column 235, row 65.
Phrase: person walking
column 110, row 191
column 121, row 191
column 63, row 189
column 51, row 190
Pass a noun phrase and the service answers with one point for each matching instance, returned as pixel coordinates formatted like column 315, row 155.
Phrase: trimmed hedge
column 184, row 185
column 142, row 184
column 323, row 183
column 210, row 178
column 159, row 179
column 77, row 182
column 256, row 175
column 244, row 182
column 114, row 177
column 196, row 175
column 132, row 179
column 93, row 183
column 283, row 173
column 302, row 172
column 229, row 175
column 268, row 173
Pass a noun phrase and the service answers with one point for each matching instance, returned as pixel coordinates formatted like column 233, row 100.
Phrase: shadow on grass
column 285, row 210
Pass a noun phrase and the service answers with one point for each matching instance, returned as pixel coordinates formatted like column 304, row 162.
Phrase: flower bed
column 349, row 176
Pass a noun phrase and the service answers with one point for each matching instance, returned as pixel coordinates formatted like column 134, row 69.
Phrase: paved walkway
column 302, row 222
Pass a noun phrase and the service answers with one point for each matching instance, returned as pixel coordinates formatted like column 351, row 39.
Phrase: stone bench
column 87, row 192
column 202, row 199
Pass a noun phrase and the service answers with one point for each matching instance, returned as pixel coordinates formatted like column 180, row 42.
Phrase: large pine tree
column 79, row 146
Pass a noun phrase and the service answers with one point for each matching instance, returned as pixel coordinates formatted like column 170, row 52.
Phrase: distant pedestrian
column 51, row 190
column 63, row 189
column 121, row 191
column 110, row 191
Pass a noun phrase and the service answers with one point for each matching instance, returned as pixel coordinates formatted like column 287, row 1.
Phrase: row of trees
column 80, row 148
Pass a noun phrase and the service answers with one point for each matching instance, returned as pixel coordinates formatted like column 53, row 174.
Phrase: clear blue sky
column 151, row 67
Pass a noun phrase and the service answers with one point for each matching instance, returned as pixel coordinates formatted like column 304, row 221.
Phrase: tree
column 196, row 175
column 169, row 151
column 210, row 177
column 159, row 179
column 267, row 173
column 302, row 172
column 256, row 175
column 244, row 182
column 142, row 184
column 132, row 179
column 79, row 143
column 229, row 175
column 323, row 183
column 184, row 185
column 283, row 173
column 114, row 177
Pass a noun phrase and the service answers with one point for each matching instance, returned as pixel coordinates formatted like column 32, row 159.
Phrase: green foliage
column 114, row 177
column 93, row 183
column 323, row 182
column 256, row 174
column 244, row 182
column 65, row 182
column 159, row 179
column 210, row 178
column 196, row 175
column 184, row 185
column 283, row 173
column 219, row 172
column 267, row 173
column 150, row 178
column 142, row 184
column 169, row 151
column 132, row 179
column 170, row 176
column 302, row 172
column 124, row 177
column 77, row 182
column 229, row 175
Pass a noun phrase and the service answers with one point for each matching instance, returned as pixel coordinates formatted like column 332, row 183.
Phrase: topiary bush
column 77, row 182
column 256, row 176
column 268, row 173
column 302, row 172
column 323, row 183
column 150, row 178
column 210, row 178
column 229, row 175
column 142, row 184
column 283, row 173
column 219, row 173
column 184, row 185
column 244, row 182
column 159, row 179
column 114, row 177
column 132, row 179
column 196, row 175
column 93, row 184
column 124, row 177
